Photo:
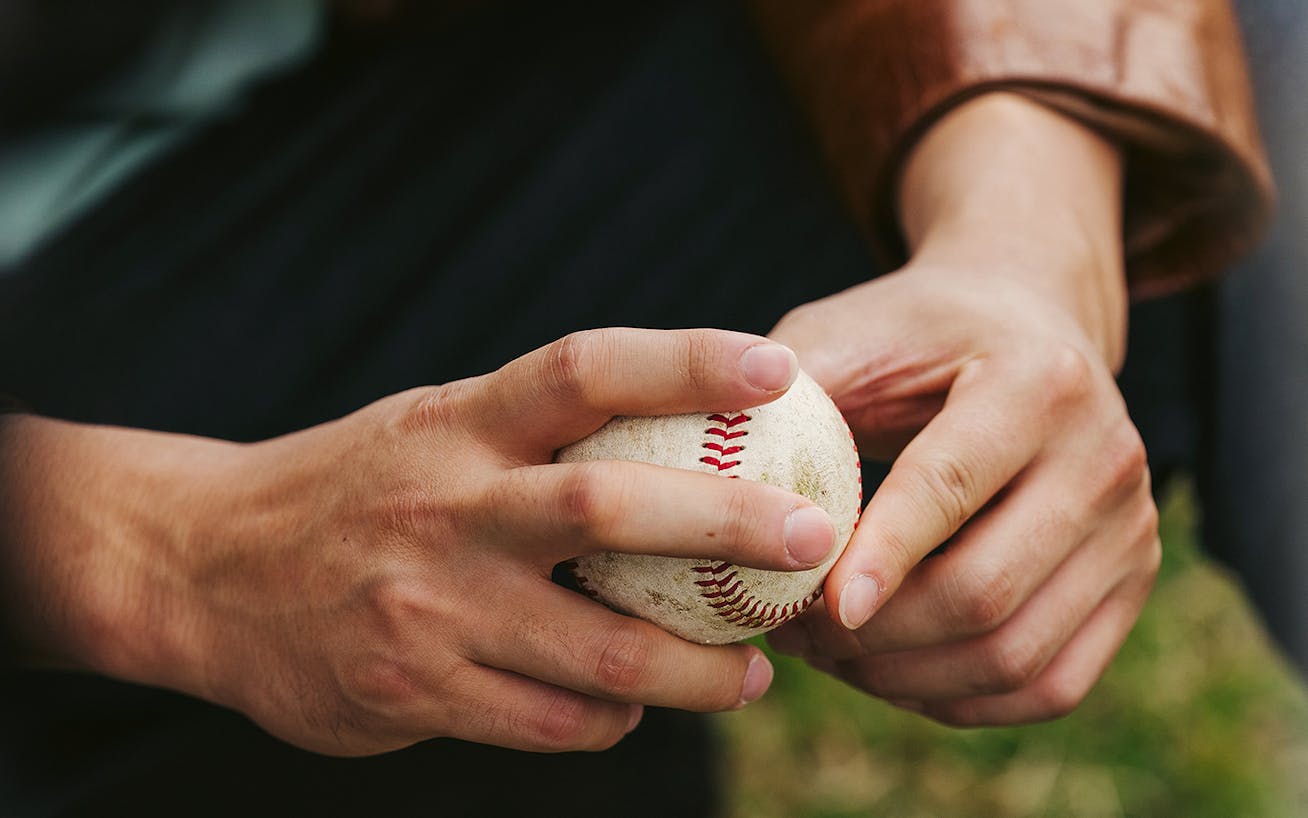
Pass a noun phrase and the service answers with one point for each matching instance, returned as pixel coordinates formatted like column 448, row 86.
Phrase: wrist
column 95, row 526
column 1002, row 186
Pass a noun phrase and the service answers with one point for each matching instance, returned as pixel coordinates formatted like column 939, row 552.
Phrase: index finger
column 565, row 390
column 564, row 510
column 989, row 429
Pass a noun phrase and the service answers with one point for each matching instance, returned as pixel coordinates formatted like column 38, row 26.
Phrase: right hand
column 385, row 578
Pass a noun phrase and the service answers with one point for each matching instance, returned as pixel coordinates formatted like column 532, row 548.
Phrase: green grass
column 1197, row 717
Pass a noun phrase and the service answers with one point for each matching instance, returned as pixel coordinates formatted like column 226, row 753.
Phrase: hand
column 1022, row 459
column 983, row 368
column 385, row 578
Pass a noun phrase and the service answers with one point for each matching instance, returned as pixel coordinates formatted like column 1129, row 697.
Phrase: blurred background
column 1203, row 713
column 1199, row 716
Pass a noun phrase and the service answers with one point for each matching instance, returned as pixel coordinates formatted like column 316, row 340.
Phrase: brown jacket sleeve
column 1165, row 79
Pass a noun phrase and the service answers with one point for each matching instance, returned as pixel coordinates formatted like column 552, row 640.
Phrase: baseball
column 798, row 442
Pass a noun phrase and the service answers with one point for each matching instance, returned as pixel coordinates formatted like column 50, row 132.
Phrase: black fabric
column 50, row 50
column 414, row 215
column 379, row 221
column 430, row 214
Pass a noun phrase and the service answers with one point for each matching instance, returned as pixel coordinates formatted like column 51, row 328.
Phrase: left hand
column 985, row 369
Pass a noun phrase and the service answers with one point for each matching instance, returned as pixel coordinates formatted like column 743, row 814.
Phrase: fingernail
column 790, row 639
column 770, row 367
column 809, row 535
column 757, row 678
column 637, row 710
column 857, row 599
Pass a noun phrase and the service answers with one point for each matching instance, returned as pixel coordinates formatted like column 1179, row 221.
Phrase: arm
column 385, row 577
column 984, row 368
column 969, row 138
column 1166, row 81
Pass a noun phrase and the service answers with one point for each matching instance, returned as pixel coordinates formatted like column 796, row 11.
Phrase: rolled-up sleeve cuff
column 1165, row 80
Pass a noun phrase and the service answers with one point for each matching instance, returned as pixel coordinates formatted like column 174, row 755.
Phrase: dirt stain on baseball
column 808, row 481
column 660, row 600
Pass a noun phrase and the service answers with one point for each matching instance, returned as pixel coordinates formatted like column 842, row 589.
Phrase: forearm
column 326, row 583
column 981, row 371
column 87, row 518
column 1165, row 79
column 1004, row 180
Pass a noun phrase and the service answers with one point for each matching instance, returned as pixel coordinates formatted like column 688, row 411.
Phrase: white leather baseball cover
column 799, row 442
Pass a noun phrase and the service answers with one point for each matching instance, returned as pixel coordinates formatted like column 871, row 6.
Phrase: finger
column 814, row 636
column 1004, row 554
column 564, row 391
column 560, row 637
column 992, row 425
column 509, row 710
column 1062, row 686
column 1011, row 657
column 556, row 511
column 883, row 431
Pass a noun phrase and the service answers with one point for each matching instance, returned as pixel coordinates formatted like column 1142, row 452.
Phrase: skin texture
column 984, row 369
column 384, row 578
column 331, row 584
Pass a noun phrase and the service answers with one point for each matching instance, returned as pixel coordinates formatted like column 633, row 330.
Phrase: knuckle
column 1126, row 462
column 1151, row 552
column 1155, row 558
column 1147, row 482
column 950, row 485
column 562, row 722
column 740, row 517
column 1010, row 664
column 894, row 544
column 397, row 605
column 1058, row 698
column 1066, row 375
column 623, row 662
column 1148, row 522
column 986, row 599
column 799, row 320
column 434, row 407
column 379, row 684
column 699, row 360
column 589, row 499
column 572, row 362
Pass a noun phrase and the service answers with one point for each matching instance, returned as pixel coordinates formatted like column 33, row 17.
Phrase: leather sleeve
column 1165, row 79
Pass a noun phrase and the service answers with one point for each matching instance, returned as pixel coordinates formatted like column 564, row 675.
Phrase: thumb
column 886, row 393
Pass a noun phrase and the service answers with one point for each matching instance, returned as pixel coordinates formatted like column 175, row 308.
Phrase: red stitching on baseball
column 858, row 470
column 720, row 465
column 722, row 430
column 583, row 582
column 724, row 434
column 729, row 420
column 721, row 586
column 725, row 593
column 723, row 450
column 705, row 583
column 744, row 609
